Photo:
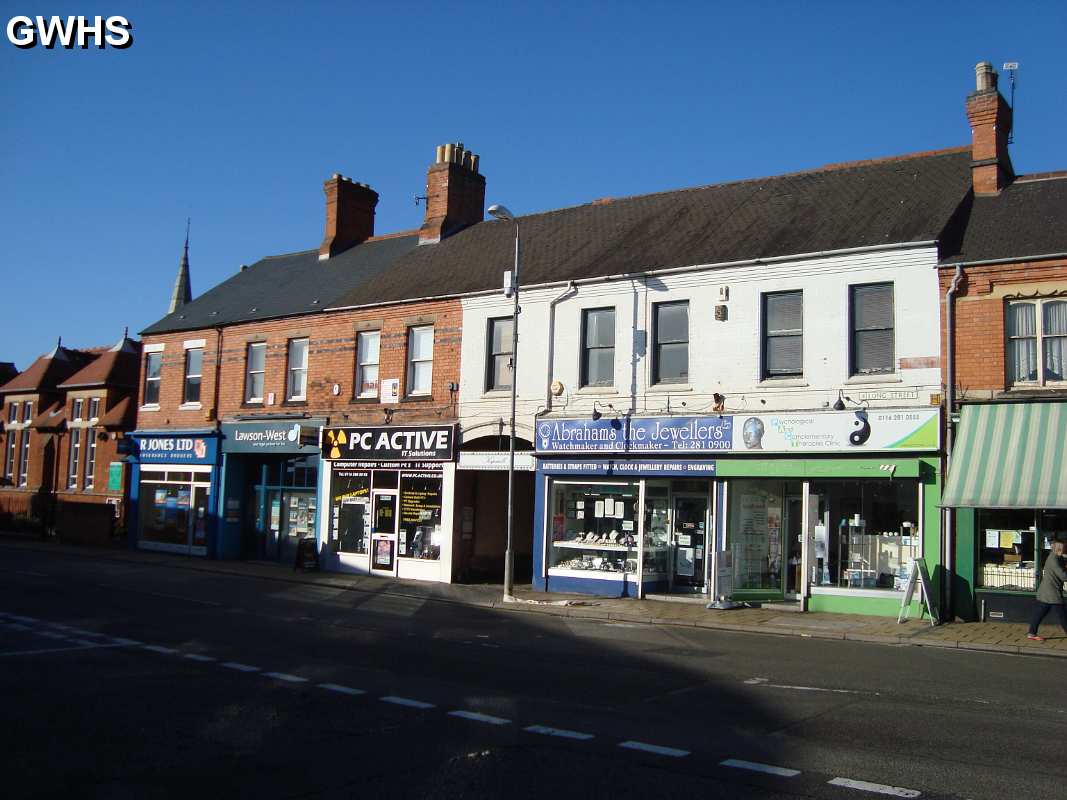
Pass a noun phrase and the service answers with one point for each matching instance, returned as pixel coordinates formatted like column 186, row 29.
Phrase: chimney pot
column 455, row 193
column 985, row 77
column 990, row 119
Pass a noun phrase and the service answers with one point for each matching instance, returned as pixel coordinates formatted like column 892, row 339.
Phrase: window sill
column 860, row 380
column 190, row 407
column 668, row 388
column 149, row 407
column 252, row 404
column 364, row 400
column 843, row 591
column 417, row 398
column 493, row 394
column 294, row 403
column 597, row 390
column 783, row 383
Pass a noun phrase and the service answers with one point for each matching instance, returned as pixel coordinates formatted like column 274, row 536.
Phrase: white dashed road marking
column 545, row 730
column 474, row 716
column 155, row 648
column 198, row 657
column 285, row 676
column 659, row 750
column 878, row 788
column 335, row 687
column 14, row 626
column 405, row 701
column 769, row 769
column 239, row 667
column 124, row 642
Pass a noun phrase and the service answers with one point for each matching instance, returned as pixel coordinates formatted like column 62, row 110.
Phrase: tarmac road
column 127, row 680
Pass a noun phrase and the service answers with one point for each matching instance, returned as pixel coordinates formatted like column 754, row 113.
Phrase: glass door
column 689, row 542
column 756, row 536
column 383, row 532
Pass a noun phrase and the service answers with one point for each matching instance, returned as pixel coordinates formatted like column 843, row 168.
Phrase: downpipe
column 949, row 524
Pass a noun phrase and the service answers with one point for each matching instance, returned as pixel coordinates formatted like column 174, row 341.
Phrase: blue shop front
column 269, row 487
column 173, row 484
column 627, row 507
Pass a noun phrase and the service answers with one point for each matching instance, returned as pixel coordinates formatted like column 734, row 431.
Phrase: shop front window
column 756, row 527
column 657, row 531
column 594, row 528
column 420, row 516
column 1013, row 544
column 867, row 533
column 350, row 510
column 173, row 508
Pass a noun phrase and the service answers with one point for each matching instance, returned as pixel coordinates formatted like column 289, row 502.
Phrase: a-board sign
column 307, row 555
column 922, row 574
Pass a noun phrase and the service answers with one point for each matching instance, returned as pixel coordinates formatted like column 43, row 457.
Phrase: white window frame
column 853, row 352
column 94, row 409
column 412, row 361
column 293, row 370
column 1039, row 334
column 78, row 409
column 249, row 372
column 362, row 363
column 13, row 411
column 74, row 457
column 89, row 480
column 186, row 375
column 24, row 457
column 12, row 452
column 491, row 355
column 158, row 380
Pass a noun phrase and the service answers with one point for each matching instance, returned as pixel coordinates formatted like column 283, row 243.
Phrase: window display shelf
column 595, row 546
column 596, row 574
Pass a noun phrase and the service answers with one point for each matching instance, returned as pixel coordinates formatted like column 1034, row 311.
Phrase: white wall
column 724, row 357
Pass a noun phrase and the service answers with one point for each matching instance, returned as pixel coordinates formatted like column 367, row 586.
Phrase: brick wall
column 980, row 351
column 331, row 360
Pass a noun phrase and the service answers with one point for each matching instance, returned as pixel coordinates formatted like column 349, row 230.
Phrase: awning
column 1009, row 455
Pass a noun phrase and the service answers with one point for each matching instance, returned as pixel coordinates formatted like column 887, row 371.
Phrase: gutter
column 950, row 402
column 1013, row 260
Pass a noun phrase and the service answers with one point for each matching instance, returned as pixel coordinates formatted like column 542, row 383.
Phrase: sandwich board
column 920, row 574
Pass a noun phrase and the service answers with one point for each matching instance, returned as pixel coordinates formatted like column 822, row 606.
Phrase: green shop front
column 1007, row 489
column 825, row 509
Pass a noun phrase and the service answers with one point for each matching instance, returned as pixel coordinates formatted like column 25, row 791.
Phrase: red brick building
column 256, row 366
column 63, row 419
column 1004, row 336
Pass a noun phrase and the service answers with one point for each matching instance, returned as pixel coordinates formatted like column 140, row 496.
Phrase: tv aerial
column 1011, row 67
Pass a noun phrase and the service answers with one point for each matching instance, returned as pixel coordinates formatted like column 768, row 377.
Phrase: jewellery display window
column 594, row 529
column 656, row 562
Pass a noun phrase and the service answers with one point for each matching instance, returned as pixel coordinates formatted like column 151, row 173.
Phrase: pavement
column 770, row 619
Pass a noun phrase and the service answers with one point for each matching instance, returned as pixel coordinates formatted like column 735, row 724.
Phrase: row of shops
column 828, row 509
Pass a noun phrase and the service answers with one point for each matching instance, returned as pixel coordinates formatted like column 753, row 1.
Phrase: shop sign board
column 390, row 443
column 854, row 431
column 276, row 436
column 495, row 461
column 629, row 467
column 176, row 449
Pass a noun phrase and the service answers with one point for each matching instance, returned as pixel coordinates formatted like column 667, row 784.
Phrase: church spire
column 183, row 292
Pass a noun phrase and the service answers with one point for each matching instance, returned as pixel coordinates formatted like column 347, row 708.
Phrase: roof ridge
column 841, row 165
column 396, row 235
column 287, row 255
column 1041, row 176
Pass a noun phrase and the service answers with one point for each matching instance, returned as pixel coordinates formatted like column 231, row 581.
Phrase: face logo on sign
column 336, row 439
column 200, row 448
column 752, row 433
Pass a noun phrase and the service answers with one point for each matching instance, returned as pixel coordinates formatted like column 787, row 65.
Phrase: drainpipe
column 218, row 374
column 571, row 287
column 950, row 403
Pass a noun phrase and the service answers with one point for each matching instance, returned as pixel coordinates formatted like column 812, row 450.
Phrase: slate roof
column 286, row 285
column 890, row 201
column 7, row 371
column 1028, row 218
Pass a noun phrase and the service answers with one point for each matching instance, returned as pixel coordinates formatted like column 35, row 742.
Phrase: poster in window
column 383, row 553
column 609, row 507
column 685, row 565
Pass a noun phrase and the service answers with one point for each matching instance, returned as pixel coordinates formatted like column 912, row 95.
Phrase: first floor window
column 255, row 361
column 598, row 347
column 1037, row 351
column 670, row 335
column 12, row 412
column 871, row 320
column 498, row 362
column 194, row 367
column 24, row 461
column 27, row 411
column 153, row 364
column 79, row 408
column 94, row 408
column 367, row 354
column 298, row 370
column 420, row 360
column 783, row 335
column 75, row 451
column 12, row 454
column 90, row 459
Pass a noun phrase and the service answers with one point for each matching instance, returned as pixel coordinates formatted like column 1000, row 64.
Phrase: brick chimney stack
column 349, row 215
column 990, row 118
column 455, row 193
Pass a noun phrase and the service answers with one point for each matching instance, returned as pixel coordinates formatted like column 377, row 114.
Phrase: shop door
column 794, row 533
column 383, row 532
column 689, row 542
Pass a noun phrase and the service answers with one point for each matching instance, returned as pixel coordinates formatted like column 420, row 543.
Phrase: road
column 129, row 680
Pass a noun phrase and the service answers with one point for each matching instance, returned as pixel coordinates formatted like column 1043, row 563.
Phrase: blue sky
column 235, row 117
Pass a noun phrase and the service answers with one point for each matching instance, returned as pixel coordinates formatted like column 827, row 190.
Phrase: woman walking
column 1050, row 592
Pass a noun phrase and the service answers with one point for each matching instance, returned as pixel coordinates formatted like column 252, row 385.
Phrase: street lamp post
column 500, row 212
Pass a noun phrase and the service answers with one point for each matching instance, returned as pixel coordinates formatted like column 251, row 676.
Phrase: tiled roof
column 122, row 415
column 118, row 366
column 1028, row 218
column 286, row 285
column 51, row 419
column 892, row 201
column 48, row 371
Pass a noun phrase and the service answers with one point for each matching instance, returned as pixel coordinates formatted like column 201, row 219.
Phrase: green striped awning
column 1009, row 455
